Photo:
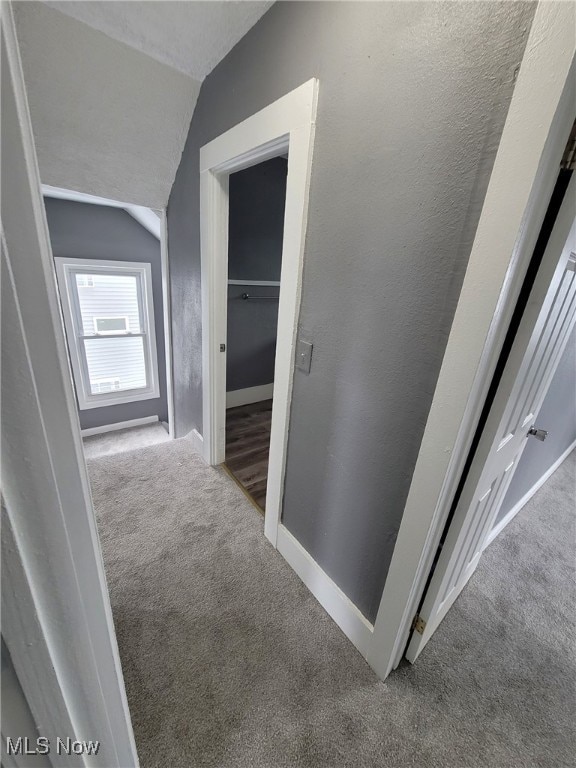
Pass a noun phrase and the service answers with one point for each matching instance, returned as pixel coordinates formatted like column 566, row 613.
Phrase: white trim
column 197, row 442
column 65, row 269
column 65, row 628
column 545, row 326
column 237, row 397
column 526, row 166
column 59, row 193
column 254, row 282
column 144, row 216
column 147, row 218
column 287, row 123
column 260, row 137
column 355, row 626
column 167, row 318
column 119, row 425
column 527, row 496
column 22, row 625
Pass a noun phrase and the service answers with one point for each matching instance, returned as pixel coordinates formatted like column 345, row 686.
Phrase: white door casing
column 538, row 124
column 287, row 124
column 546, row 324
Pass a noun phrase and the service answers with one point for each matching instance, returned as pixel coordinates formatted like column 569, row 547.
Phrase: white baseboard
column 197, row 441
column 527, row 496
column 118, row 425
column 249, row 395
column 346, row 615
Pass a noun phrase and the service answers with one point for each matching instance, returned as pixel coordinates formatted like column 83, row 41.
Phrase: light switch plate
column 304, row 355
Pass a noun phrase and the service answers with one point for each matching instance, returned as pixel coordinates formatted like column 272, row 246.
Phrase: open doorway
column 257, row 198
column 284, row 128
column 109, row 264
column 538, row 345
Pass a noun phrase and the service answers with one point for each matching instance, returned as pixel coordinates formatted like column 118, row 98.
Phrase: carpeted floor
column 230, row 662
column 121, row 440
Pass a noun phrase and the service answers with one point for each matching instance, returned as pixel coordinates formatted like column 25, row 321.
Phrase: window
column 109, row 319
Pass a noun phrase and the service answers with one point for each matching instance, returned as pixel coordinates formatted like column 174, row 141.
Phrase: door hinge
column 419, row 625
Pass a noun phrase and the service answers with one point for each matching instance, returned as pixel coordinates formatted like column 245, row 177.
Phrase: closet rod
column 260, row 298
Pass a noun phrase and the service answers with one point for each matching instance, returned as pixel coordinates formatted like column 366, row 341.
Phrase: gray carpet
column 121, row 440
column 230, row 662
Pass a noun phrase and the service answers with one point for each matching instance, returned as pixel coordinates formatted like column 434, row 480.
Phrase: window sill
column 107, row 399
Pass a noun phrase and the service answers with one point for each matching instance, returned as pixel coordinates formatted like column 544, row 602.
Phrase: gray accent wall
column 257, row 197
column 412, row 102
column 86, row 231
column 251, row 337
column 558, row 416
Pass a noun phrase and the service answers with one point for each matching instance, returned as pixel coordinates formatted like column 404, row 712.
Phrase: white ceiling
column 107, row 119
column 112, row 87
column 189, row 36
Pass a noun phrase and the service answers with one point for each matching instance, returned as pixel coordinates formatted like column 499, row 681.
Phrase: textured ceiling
column 112, row 87
column 189, row 36
column 107, row 119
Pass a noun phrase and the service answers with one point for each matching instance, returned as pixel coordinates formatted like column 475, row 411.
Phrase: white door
column 545, row 327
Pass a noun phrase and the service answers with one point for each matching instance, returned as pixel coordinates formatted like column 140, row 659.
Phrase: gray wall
column 558, row 416
column 257, row 199
column 88, row 231
column 412, row 101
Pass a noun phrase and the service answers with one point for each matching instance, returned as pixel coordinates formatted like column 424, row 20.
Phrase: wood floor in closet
column 247, row 446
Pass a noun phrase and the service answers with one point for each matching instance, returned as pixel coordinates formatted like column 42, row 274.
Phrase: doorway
column 257, row 197
column 285, row 127
column 548, row 316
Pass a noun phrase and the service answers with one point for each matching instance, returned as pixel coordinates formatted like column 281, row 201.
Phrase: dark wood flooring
column 247, row 445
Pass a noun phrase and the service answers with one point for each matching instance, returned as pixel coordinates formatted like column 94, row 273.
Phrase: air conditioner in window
column 111, row 326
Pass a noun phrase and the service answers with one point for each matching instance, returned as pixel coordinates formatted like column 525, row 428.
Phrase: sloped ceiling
column 189, row 36
column 108, row 119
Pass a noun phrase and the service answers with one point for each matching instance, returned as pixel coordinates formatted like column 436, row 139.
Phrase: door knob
column 539, row 434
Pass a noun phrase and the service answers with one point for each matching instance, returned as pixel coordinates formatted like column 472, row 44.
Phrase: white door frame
column 286, row 125
column 167, row 318
column 58, row 629
column 548, row 317
column 537, row 127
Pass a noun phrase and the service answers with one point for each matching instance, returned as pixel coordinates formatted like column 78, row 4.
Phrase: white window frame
column 66, row 269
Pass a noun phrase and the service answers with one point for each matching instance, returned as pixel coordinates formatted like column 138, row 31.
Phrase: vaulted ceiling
column 112, row 87
column 189, row 36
